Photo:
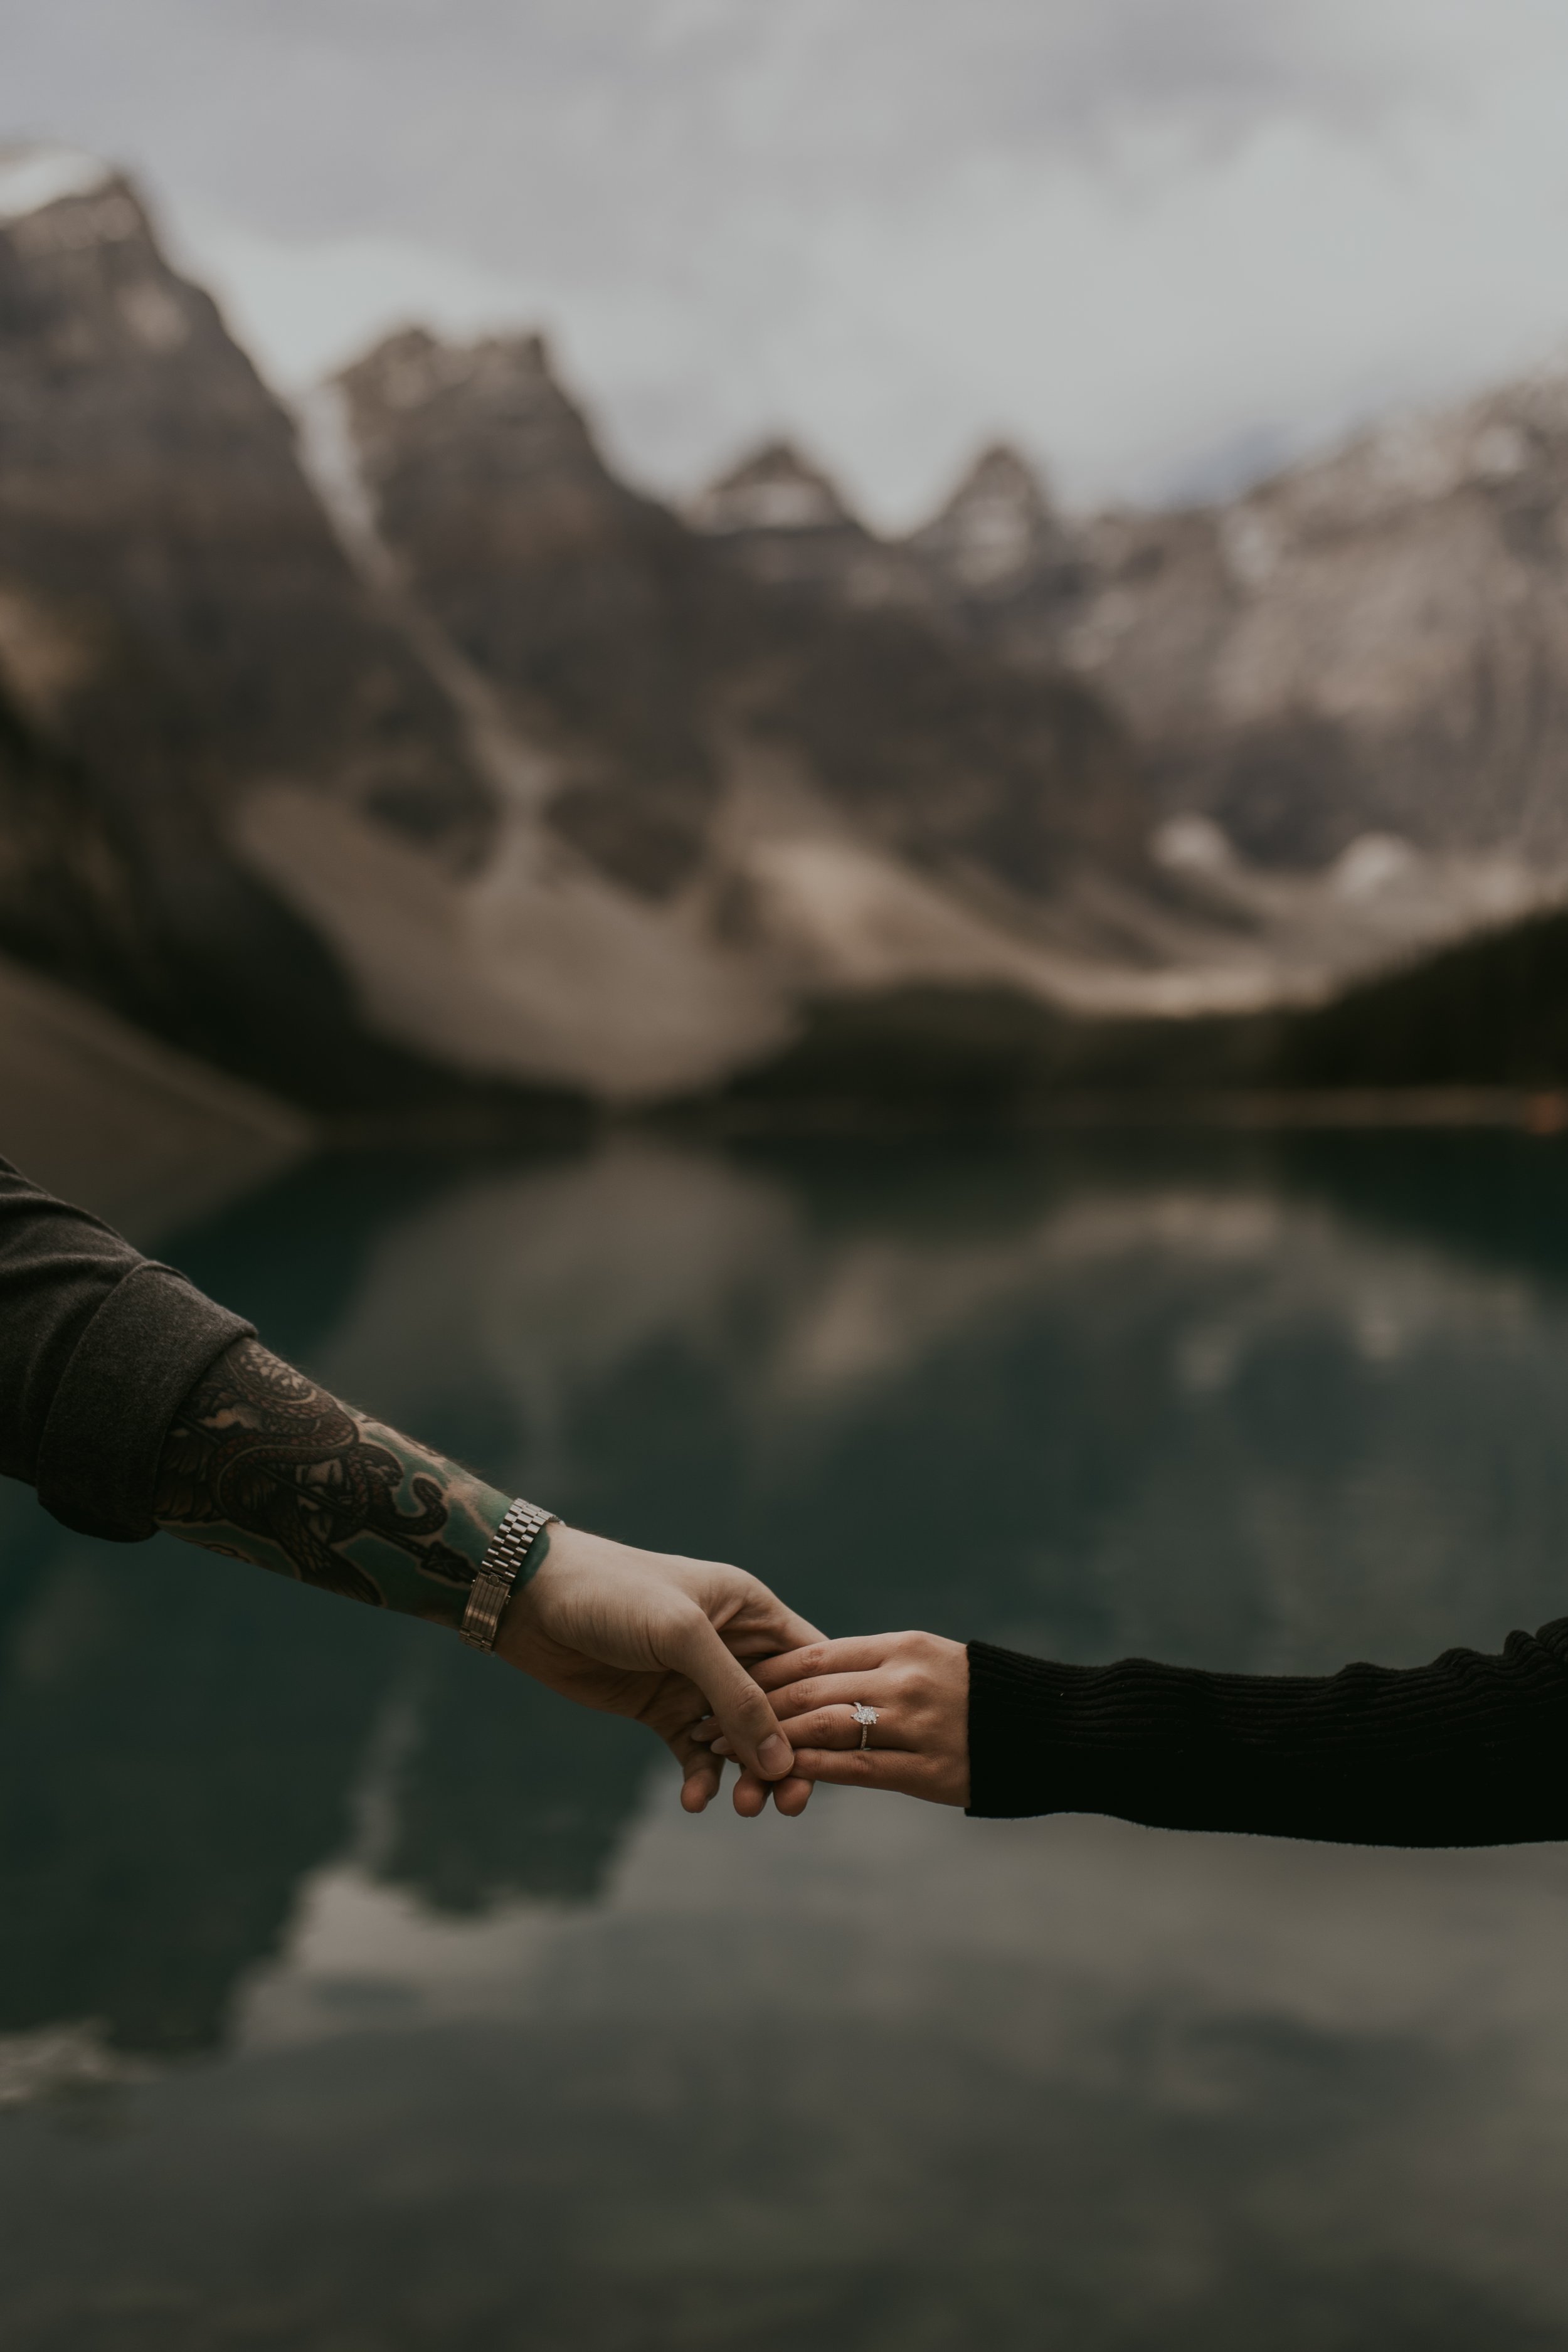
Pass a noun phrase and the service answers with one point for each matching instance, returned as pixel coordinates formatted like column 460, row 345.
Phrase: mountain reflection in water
column 1231, row 1401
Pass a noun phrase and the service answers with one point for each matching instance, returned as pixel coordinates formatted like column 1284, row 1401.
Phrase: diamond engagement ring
column 865, row 1716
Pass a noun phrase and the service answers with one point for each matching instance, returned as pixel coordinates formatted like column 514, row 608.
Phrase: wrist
column 511, row 1557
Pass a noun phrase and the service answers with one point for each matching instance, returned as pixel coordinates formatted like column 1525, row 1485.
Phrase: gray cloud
column 1132, row 233
column 482, row 119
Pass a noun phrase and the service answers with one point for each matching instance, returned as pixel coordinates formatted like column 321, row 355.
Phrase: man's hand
column 918, row 1685
column 664, row 1640
column 262, row 1465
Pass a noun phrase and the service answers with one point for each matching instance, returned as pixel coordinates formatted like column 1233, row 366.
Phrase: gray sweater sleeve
column 99, row 1346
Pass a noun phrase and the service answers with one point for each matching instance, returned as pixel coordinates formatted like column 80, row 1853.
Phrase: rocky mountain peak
column 413, row 367
column 503, row 391
column 1509, row 449
column 572, row 597
column 179, row 630
column 781, row 521
column 1001, row 480
column 84, row 264
column 997, row 528
column 775, row 489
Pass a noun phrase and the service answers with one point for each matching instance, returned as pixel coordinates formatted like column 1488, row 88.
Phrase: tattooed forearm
column 264, row 1466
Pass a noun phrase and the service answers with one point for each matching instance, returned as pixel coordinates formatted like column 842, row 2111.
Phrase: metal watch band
column 498, row 1571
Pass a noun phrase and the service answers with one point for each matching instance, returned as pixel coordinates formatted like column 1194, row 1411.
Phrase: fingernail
column 776, row 1754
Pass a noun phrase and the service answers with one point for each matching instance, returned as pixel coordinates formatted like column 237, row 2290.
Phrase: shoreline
column 1538, row 1111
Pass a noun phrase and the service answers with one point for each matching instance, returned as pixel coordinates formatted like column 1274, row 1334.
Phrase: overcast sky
column 1158, row 242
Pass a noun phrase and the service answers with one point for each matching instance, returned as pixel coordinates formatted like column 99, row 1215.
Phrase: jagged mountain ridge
column 654, row 664
column 1374, row 641
column 1346, row 691
column 870, row 678
column 723, row 796
column 414, row 750
column 473, row 777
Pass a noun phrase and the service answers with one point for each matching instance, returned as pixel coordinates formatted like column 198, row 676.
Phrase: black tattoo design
column 262, row 1463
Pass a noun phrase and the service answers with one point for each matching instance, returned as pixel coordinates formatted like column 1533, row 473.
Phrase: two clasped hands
column 1465, row 1751
column 720, row 1669
column 133, row 1403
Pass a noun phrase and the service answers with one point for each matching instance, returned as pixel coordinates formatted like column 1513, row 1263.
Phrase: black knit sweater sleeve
column 99, row 1346
column 1470, row 1750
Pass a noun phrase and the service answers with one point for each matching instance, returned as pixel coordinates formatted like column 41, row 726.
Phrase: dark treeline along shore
column 1483, row 1024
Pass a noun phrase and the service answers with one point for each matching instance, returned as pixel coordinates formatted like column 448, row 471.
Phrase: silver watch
column 499, row 1571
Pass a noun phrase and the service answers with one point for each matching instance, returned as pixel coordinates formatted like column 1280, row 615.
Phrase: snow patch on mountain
column 775, row 489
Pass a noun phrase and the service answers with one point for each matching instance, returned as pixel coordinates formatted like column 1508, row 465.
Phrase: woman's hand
column 664, row 1640
column 918, row 1685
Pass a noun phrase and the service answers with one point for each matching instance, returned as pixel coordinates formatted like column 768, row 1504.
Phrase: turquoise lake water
column 357, row 1997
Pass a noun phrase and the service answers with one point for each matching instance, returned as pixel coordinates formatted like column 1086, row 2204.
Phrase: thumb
column 749, row 1722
